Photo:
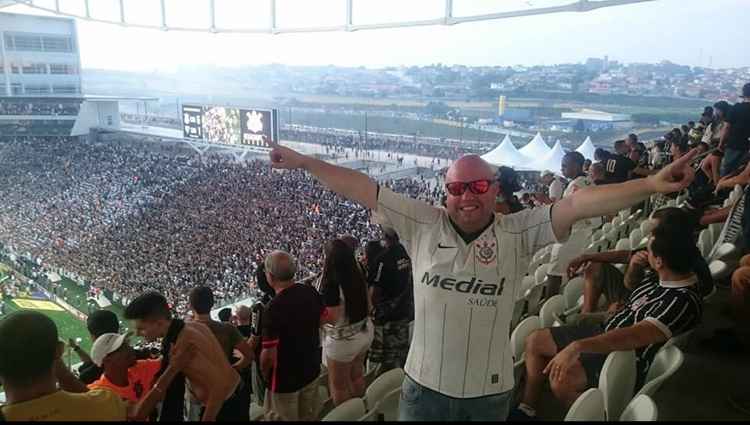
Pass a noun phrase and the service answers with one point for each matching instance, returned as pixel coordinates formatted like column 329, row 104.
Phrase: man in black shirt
column 98, row 323
column 734, row 137
column 290, row 360
column 390, row 282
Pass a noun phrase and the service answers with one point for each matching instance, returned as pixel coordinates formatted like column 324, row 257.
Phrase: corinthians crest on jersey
column 485, row 249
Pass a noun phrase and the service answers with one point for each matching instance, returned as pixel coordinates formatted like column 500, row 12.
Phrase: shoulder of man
column 107, row 403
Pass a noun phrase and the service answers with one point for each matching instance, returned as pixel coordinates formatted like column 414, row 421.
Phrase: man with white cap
column 123, row 374
column 133, row 380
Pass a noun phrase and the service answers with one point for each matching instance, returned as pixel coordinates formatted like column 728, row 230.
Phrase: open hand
column 559, row 368
column 675, row 176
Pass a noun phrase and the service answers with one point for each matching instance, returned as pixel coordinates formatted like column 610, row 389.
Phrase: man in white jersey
column 562, row 254
column 467, row 264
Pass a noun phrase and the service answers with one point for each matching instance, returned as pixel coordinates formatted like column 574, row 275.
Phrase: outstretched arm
column 596, row 201
column 346, row 182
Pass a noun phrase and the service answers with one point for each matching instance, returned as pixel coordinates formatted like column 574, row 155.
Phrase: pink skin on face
column 471, row 212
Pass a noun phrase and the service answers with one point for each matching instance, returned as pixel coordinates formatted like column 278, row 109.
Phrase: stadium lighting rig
column 525, row 8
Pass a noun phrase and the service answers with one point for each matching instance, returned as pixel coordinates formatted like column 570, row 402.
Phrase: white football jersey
column 463, row 293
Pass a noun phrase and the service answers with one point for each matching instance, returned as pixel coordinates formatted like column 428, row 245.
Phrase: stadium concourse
column 127, row 217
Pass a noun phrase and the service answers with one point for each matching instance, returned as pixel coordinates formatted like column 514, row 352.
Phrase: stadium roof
column 264, row 16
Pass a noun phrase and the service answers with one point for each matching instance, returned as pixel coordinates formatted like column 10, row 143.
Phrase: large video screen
column 259, row 127
column 221, row 125
column 230, row 126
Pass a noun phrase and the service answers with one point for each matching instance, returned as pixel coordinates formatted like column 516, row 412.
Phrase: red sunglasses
column 477, row 187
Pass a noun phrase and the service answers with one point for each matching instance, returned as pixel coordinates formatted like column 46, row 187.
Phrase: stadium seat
column 617, row 382
column 383, row 385
column 589, row 406
column 540, row 275
column 725, row 251
column 715, row 230
column 534, row 297
column 572, row 292
column 622, row 244
column 704, row 243
column 666, row 362
column 518, row 310
column 386, row 410
column 350, row 410
column 552, row 308
column 256, row 412
column 640, row 409
column 719, row 270
column 372, row 374
column 635, row 237
column 680, row 340
column 646, row 226
column 518, row 339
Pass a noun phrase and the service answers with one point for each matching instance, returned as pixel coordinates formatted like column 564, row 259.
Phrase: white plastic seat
column 518, row 309
column 256, row 412
column 540, row 275
column 554, row 306
column 387, row 408
column 518, row 337
column 635, row 237
column 641, row 409
column 383, row 385
column 617, row 382
column 719, row 270
column 666, row 363
column 680, row 341
column 534, row 298
column 623, row 245
column 704, row 243
column 572, row 291
column 726, row 250
column 589, row 406
column 606, row 227
column 715, row 230
column 646, row 226
column 350, row 410
column 372, row 374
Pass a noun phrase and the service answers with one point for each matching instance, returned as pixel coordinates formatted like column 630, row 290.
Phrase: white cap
column 104, row 345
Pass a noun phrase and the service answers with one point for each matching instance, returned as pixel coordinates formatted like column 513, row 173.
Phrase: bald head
column 470, row 164
column 281, row 266
column 474, row 208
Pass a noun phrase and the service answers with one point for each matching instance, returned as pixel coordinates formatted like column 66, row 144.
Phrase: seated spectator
column 602, row 278
column 572, row 356
column 231, row 341
column 348, row 328
column 597, row 173
column 209, row 376
column 98, row 323
column 30, row 362
column 290, row 360
column 556, row 187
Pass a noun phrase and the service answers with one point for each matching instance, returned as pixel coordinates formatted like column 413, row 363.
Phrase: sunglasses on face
column 477, row 187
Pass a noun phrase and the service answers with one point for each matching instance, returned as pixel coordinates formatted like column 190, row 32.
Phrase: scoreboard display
column 231, row 126
column 192, row 122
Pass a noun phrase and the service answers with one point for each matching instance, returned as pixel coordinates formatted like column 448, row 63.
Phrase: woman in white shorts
column 347, row 327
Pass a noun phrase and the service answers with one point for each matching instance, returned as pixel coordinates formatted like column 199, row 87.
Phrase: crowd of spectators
column 127, row 218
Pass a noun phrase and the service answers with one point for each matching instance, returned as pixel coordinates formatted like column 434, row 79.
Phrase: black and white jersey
column 674, row 307
column 463, row 293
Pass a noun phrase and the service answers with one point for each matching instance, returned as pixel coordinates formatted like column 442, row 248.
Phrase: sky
column 690, row 32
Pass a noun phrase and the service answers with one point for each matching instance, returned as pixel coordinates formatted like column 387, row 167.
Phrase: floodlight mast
column 348, row 25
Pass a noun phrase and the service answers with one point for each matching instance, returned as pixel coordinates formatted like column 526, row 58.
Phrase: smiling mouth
column 469, row 208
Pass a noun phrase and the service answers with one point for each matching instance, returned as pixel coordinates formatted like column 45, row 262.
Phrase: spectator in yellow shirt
column 30, row 359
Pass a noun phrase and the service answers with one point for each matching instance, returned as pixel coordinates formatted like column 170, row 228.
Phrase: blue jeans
column 730, row 161
column 420, row 403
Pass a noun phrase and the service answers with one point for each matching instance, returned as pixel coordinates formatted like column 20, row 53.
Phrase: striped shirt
column 463, row 293
column 674, row 307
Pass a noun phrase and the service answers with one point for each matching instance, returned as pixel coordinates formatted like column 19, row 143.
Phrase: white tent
column 506, row 154
column 536, row 148
column 552, row 160
column 587, row 149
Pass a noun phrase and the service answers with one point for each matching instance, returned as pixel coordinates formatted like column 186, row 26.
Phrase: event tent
column 551, row 161
column 506, row 154
column 536, row 148
column 587, row 149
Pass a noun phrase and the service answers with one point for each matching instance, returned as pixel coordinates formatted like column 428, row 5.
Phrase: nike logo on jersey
column 472, row 286
column 440, row 245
